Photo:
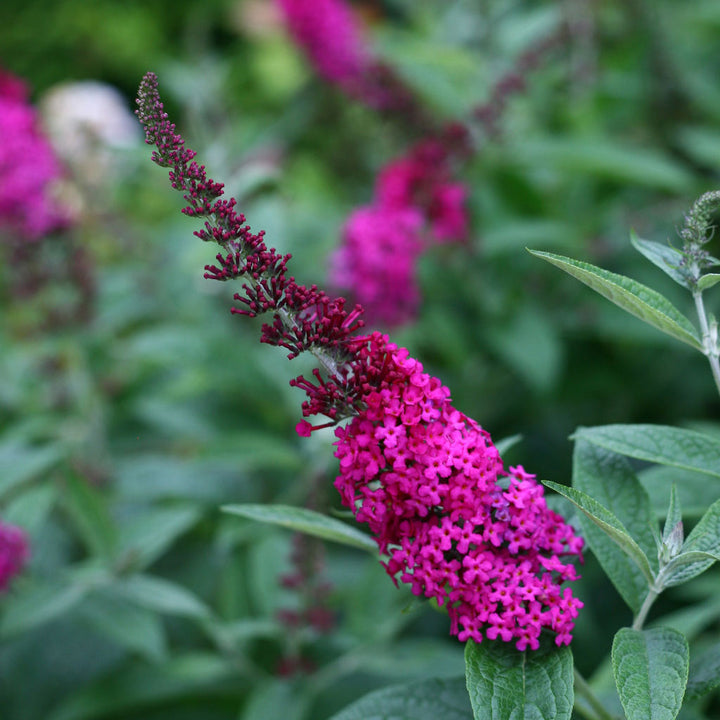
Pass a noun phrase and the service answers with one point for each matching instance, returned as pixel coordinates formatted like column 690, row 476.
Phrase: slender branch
column 647, row 604
column 710, row 345
column 595, row 710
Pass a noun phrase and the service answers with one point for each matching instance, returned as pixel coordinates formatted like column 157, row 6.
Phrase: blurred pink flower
column 377, row 261
column 14, row 553
column 28, row 167
column 331, row 37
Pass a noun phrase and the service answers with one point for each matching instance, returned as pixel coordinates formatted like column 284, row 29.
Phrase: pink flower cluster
column 416, row 204
column 14, row 553
column 28, row 167
column 430, row 484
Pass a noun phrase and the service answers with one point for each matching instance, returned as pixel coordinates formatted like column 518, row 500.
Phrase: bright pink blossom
column 14, row 553
column 28, row 167
column 453, row 524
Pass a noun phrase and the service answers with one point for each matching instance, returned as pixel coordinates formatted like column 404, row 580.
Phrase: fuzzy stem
column 710, row 346
column 647, row 604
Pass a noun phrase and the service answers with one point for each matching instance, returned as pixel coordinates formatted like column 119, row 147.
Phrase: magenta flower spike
column 28, row 167
column 426, row 479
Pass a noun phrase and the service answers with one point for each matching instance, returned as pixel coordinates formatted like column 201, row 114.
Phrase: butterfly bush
column 14, row 553
column 428, row 481
column 28, row 167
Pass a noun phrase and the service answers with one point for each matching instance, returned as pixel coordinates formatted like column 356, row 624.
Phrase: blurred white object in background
column 87, row 123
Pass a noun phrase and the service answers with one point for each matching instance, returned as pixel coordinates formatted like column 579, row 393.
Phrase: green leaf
column 145, row 538
column 20, row 463
column 90, row 515
column 609, row 479
column 306, row 521
column 686, row 566
column 133, row 628
column 693, row 489
column 609, row 524
column 605, row 158
column 160, row 595
column 651, row 672
column 505, row 684
column 30, row 509
column 143, row 685
column 275, row 698
column 708, row 280
column 667, row 258
column 700, row 551
column 661, row 444
column 673, row 517
column 637, row 299
column 37, row 604
column 423, row 700
column 704, row 673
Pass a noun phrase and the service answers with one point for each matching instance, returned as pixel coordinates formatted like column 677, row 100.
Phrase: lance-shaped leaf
column 667, row 258
column 660, row 444
column 505, row 684
column 651, row 672
column 700, row 551
column 608, row 522
column 707, row 281
column 306, row 521
column 634, row 297
column 609, row 479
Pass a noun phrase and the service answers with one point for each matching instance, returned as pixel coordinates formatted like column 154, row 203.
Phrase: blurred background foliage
column 123, row 429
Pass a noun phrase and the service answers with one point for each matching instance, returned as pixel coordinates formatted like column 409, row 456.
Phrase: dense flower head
column 28, row 167
column 454, row 525
column 14, row 553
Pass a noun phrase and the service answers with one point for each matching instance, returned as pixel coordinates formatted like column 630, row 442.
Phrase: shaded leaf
column 637, row 299
column 306, row 521
column 161, row 595
column 704, row 673
column 609, row 479
column 423, row 700
column 667, row 258
column 661, row 444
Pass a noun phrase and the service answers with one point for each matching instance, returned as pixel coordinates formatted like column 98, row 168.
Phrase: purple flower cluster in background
column 417, row 204
column 28, row 167
column 14, row 553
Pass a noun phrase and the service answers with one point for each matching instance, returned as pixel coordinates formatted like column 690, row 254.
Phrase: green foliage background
column 121, row 437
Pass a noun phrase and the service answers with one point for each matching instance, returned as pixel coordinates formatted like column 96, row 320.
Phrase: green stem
column 595, row 710
column 710, row 345
column 647, row 604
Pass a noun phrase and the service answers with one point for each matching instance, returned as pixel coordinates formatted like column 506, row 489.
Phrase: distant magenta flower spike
column 416, row 205
column 425, row 478
column 333, row 39
column 28, row 167
column 14, row 553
